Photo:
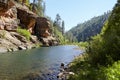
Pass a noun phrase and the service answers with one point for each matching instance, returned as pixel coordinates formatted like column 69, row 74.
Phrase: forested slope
column 84, row 31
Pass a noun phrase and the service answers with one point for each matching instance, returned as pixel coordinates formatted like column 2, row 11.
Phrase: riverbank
column 85, row 70
column 13, row 41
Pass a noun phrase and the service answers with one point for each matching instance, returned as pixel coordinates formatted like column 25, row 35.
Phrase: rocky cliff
column 14, row 15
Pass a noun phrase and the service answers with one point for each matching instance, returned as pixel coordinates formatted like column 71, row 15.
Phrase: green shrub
column 24, row 32
column 59, row 35
column 84, row 71
column 112, row 72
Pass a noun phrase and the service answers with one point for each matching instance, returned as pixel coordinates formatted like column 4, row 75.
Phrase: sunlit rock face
column 43, row 31
column 8, row 16
column 42, row 27
column 14, row 15
column 27, row 19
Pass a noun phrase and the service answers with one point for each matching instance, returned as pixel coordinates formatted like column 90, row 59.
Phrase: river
column 40, row 63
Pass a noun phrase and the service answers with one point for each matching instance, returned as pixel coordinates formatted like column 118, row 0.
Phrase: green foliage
column 103, row 53
column 57, row 23
column 40, row 8
column 70, row 37
column 112, row 72
column 24, row 32
column 82, row 45
column 27, row 3
column 112, row 35
column 59, row 36
column 104, row 28
column 57, row 29
column 103, row 50
column 95, row 51
column 85, row 71
column 63, row 27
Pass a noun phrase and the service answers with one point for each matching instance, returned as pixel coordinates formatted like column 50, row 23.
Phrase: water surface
column 23, row 64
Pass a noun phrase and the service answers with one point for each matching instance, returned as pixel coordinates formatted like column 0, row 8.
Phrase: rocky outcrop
column 64, row 73
column 42, row 27
column 49, row 41
column 27, row 19
column 43, row 31
column 12, row 41
column 14, row 15
column 8, row 16
column 39, row 26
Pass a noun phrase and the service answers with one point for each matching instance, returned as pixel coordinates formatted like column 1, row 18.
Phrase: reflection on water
column 36, row 62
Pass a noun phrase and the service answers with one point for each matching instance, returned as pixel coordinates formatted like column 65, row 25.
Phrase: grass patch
column 24, row 32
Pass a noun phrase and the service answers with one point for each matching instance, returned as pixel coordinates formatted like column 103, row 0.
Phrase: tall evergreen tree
column 44, row 8
column 63, row 27
column 111, row 35
column 57, row 21
column 105, row 48
column 40, row 8
column 34, row 6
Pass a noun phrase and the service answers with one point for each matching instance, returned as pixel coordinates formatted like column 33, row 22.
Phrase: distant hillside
column 85, row 30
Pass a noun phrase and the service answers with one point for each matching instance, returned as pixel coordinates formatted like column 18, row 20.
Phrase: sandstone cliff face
column 8, row 17
column 43, row 31
column 42, row 27
column 27, row 19
column 12, row 15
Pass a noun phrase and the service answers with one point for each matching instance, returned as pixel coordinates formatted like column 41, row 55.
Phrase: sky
column 74, row 12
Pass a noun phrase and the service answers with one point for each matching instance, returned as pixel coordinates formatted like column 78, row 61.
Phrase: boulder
column 11, row 38
column 27, row 19
column 34, row 39
column 49, row 41
column 22, row 47
column 19, row 37
column 8, row 19
column 42, row 27
column 6, row 45
column 14, row 49
column 3, row 50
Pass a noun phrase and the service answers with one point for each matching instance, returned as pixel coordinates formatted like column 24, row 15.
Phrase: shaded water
column 38, row 62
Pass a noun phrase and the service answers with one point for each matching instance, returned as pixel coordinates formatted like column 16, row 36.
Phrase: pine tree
column 63, row 27
column 33, row 6
column 40, row 8
column 44, row 8
column 57, row 21
column 112, row 33
column 105, row 48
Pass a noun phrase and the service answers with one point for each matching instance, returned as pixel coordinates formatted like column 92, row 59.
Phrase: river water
column 36, row 64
